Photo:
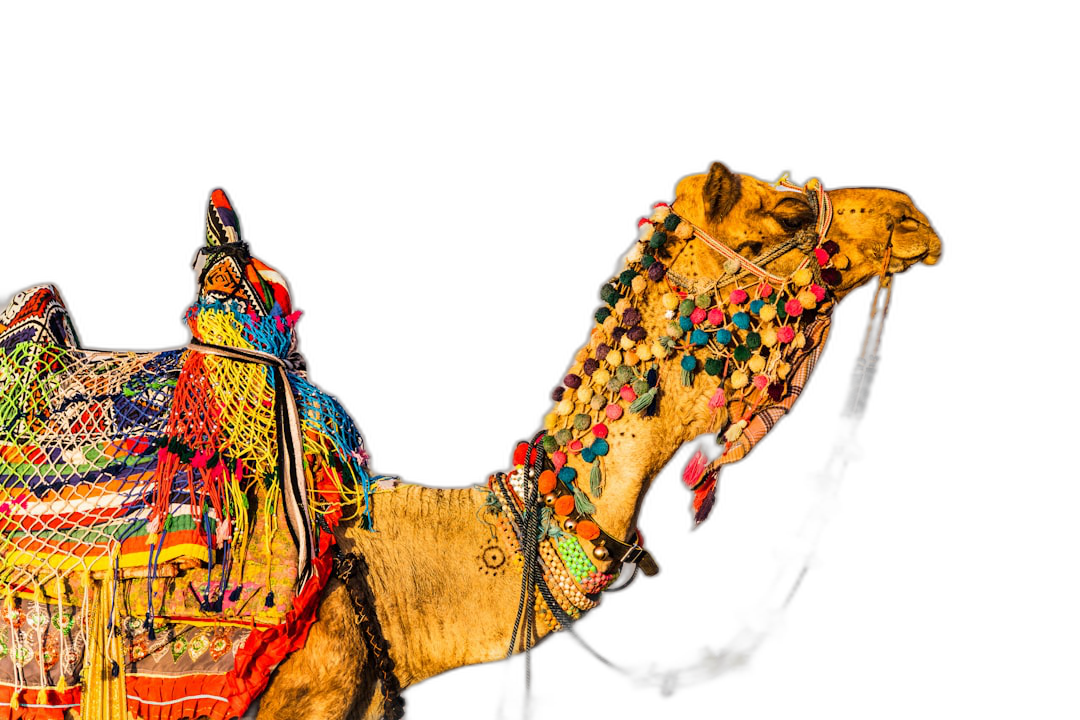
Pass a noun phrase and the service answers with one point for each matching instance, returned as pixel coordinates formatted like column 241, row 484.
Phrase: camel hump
column 38, row 315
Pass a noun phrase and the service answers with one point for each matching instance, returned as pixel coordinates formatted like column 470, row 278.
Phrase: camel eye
column 792, row 223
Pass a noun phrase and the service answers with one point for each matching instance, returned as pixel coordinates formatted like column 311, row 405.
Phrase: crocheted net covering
column 148, row 564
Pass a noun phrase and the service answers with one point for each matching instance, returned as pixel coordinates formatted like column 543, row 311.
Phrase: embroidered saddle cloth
column 165, row 517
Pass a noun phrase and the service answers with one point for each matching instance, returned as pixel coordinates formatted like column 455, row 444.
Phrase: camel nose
column 913, row 238
column 880, row 213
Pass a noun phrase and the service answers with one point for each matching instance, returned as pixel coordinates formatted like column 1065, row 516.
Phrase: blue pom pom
column 698, row 337
column 741, row 320
column 755, row 307
column 685, row 324
column 689, row 363
column 588, row 455
column 567, row 474
column 600, row 447
column 723, row 336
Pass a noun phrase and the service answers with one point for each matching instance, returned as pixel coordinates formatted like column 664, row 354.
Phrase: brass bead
column 600, row 552
column 549, row 499
column 570, row 524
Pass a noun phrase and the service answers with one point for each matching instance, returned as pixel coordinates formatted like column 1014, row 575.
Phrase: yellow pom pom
column 812, row 184
column 802, row 277
column 756, row 363
column 670, row 301
column 645, row 232
column 684, row 230
column 840, row 261
column 614, row 358
column 739, row 379
column 660, row 214
column 732, row 267
column 767, row 312
column 584, row 394
column 658, row 351
column 768, row 337
column 565, row 407
column 673, row 330
column 799, row 341
column 807, row 299
column 630, row 358
column 644, row 352
column 637, row 284
column 582, row 355
column 610, row 324
column 601, row 377
column 621, row 306
column 626, row 343
column 782, row 370
column 634, row 255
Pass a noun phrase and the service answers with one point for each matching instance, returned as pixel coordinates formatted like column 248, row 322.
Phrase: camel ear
column 722, row 191
column 221, row 224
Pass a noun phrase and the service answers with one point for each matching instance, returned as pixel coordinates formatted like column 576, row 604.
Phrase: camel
column 418, row 605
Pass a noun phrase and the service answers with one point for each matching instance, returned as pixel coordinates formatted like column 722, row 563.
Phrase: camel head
column 756, row 218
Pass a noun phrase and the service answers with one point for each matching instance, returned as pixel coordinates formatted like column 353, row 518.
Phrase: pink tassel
column 717, row 399
column 692, row 472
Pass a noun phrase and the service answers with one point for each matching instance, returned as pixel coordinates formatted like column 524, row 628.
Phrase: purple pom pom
column 617, row 333
column 636, row 333
column 572, row 381
column 557, row 393
column 656, row 272
column 631, row 317
column 602, row 350
column 591, row 366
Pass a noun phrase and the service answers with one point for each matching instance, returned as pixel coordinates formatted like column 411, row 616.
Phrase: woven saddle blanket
column 165, row 517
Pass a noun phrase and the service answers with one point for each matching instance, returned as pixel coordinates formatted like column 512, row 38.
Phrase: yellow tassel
column 42, row 697
column 14, row 704
column 61, row 686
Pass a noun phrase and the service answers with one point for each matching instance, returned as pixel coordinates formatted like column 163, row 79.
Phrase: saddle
column 166, row 517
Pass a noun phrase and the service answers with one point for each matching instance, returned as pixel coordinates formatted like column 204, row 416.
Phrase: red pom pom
column 599, row 430
column 575, row 446
column 519, row 453
column 822, row 257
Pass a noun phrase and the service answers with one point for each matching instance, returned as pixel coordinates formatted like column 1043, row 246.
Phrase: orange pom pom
column 587, row 530
column 564, row 505
column 547, row 482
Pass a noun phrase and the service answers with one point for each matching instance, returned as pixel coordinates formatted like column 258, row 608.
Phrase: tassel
column 61, row 687
column 42, row 697
column 691, row 474
column 596, row 481
column 14, row 704
column 581, row 502
column 705, row 496
column 269, row 602
column 643, row 401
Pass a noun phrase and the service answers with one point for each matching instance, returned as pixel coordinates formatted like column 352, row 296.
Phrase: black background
column 448, row 271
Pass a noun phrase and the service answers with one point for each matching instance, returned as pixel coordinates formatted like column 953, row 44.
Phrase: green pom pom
column 564, row 436
column 671, row 222
column 713, row 366
column 647, row 260
column 657, row 240
column 640, row 387
column 742, row 353
column 753, row 340
column 602, row 314
column 550, row 444
column 609, row 294
column 686, row 307
column 582, row 421
column 703, row 301
column 626, row 277
column 624, row 373
column 614, row 384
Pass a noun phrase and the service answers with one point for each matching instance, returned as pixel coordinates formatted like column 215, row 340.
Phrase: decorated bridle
column 540, row 500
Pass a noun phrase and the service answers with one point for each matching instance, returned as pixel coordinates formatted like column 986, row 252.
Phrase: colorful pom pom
column 785, row 333
column 602, row 314
column 818, row 292
column 764, row 290
column 714, row 366
column 732, row 267
column 741, row 320
column 587, row 455
column 572, row 381
column 703, row 301
column 716, row 316
column 756, row 305
column 739, row 379
column 767, row 312
column 830, row 247
column 558, row 459
column 699, row 337
column 575, row 446
column 609, row 294
column 657, row 271
column 671, row 222
column 600, row 447
column 761, row 382
column 564, row 505
column 613, row 411
column 657, row 240
column 520, row 452
column 565, row 407
column 821, row 256
column 723, row 336
column 582, row 421
column 598, row 402
column 793, row 307
column 741, row 353
column 756, row 364
column 685, row 324
column 599, row 430
column 753, row 340
column 688, row 363
column 830, row 276
column 627, row 393
column 686, row 307
column 738, row 297
column 627, row 276
column 636, row 333
column 698, row 315
column 564, row 436
column 557, row 393
column 776, row 391
column 546, row 483
column 802, row 276
column 670, row 301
